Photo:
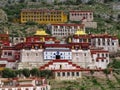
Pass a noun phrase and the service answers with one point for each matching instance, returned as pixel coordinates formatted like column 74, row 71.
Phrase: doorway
column 57, row 56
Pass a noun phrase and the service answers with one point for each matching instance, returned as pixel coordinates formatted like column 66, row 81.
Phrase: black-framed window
column 73, row 74
column 58, row 74
column 9, row 53
column 77, row 73
column 5, row 53
column 102, row 60
column 68, row 73
column 63, row 74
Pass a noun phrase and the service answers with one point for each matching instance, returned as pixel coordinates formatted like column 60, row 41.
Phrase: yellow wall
column 43, row 17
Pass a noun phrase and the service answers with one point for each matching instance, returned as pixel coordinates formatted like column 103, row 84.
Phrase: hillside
column 103, row 15
column 106, row 21
column 93, row 80
column 88, row 83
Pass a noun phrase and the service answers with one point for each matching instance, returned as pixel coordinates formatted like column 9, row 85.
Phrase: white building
column 105, row 41
column 86, row 58
column 31, row 55
column 82, row 51
column 82, row 58
column 77, row 15
column 63, row 69
column 23, row 84
column 30, row 58
column 64, row 30
column 16, row 40
column 100, row 59
column 84, row 17
column 5, row 63
column 8, row 58
column 87, row 51
column 8, row 52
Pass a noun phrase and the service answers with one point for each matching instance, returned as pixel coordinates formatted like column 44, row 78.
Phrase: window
column 63, row 74
column 98, row 55
column 102, row 55
column 58, row 74
column 77, row 73
column 5, row 53
column 106, row 55
column 89, row 40
column 97, row 60
column 68, row 73
column 61, row 26
column 60, row 66
column 68, row 57
column 102, row 60
column 103, row 43
column 36, row 47
column 84, row 40
column 98, row 39
column 43, row 88
column 112, row 43
column 80, row 40
column 103, row 39
column 73, row 74
column 106, row 60
column 108, row 41
column 9, row 53
column 46, row 88
column 98, row 43
column 36, row 54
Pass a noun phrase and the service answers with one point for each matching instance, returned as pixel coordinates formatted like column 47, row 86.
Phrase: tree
column 91, row 2
column 78, row 2
column 30, row 23
column 21, row 1
column 106, row 1
column 33, row 0
column 26, row 72
column 34, row 72
column 19, row 72
column 69, row 2
column 9, row 1
column 13, row 11
column 55, row 2
column 106, row 72
column 115, row 65
column 46, row 73
column 8, row 73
